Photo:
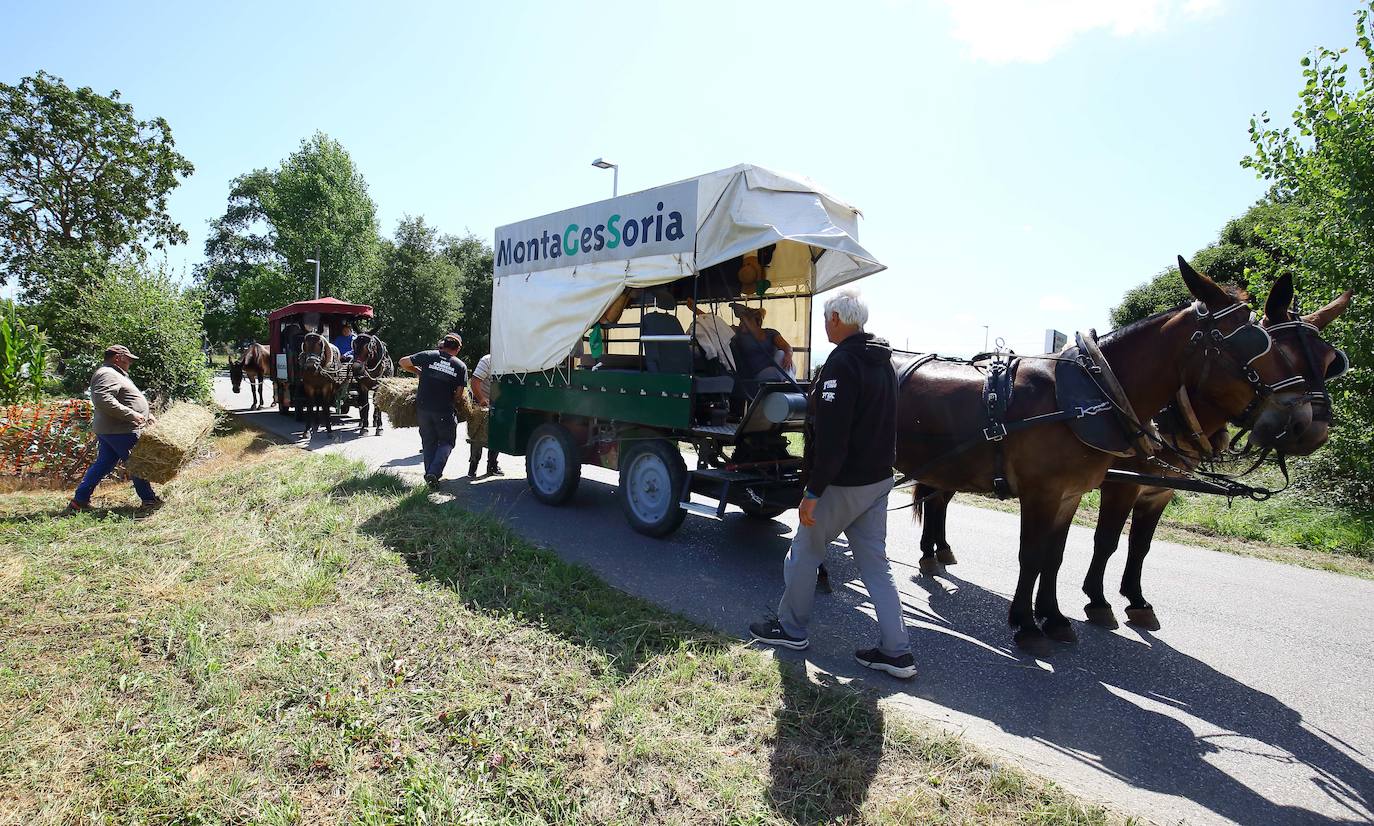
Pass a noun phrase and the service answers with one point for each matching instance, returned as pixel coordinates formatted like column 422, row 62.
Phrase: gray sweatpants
column 860, row 513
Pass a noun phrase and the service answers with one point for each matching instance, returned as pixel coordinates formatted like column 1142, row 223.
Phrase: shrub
column 149, row 314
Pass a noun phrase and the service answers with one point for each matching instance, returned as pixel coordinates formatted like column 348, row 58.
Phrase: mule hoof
column 1032, row 641
column 946, row 556
column 930, row 566
column 1101, row 616
column 1142, row 618
column 1060, row 631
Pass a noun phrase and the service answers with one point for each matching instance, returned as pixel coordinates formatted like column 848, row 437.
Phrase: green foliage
column 23, row 358
column 315, row 204
column 78, row 169
column 149, row 314
column 1321, row 171
column 430, row 285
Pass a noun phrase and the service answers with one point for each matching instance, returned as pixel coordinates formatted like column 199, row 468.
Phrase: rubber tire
column 572, row 463
column 671, row 458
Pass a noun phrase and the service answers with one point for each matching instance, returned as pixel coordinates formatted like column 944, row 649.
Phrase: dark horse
column 941, row 407
column 1194, row 427
column 1193, row 430
column 321, row 372
column 255, row 362
column 371, row 364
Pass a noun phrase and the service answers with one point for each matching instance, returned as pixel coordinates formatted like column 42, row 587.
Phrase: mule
column 254, row 363
column 371, row 364
column 1195, row 428
column 1046, row 466
column 321, row 373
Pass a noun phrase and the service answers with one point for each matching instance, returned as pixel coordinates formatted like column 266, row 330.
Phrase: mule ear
column 1202, row 287
column 1330, row 312
column 1280, row 299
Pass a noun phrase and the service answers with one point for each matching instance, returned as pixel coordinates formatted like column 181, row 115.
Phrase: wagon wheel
column 552, row 464
column 653, row 479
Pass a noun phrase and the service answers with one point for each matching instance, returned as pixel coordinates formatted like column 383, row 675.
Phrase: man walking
column 854, row 404
column 480, row 418
column 120, row 411
column 441, row 375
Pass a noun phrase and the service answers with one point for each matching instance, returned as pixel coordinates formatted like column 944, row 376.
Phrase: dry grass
column 294, row 640
column 163, row 449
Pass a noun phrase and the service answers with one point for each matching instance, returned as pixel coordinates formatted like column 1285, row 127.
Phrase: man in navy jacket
column 854, row 420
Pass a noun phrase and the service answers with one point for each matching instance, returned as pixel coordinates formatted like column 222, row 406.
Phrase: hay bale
column 396, row 398
column 165, row 448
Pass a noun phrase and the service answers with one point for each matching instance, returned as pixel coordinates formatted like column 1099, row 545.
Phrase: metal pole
column 317, row 275
column 985, row 337
column 615, row 180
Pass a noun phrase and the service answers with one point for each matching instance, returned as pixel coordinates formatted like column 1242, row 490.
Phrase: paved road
column 1254, row 704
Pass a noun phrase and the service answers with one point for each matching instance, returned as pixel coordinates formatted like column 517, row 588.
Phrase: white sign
column 658, row 221
column 1055, row 341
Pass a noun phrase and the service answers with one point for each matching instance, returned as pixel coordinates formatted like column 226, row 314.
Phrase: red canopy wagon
column 288, row 326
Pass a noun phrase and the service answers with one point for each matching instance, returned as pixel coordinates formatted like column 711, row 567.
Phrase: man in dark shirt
column 441, row 375
column 854, row 416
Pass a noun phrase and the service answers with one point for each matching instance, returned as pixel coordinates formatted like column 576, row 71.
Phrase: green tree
column 1321, row 169
column 473, row 259
column 315, row 204
column 79, row 171
column 416, row 298
column 148, row 313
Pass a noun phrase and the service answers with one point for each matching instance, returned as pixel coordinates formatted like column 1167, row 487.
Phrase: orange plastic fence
column 49, row 440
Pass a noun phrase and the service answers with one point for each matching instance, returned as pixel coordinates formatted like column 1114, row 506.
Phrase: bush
column 23, row 358
column 151, row 316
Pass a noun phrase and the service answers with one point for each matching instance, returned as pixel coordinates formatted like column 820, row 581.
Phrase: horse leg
column 943, row 552
column 377, row 419
column 1144, row 519
column 1037, row 523
column 932, row 512
column 363, row 404
column 1116, row 503
column 1056, row 626
column 327, row 410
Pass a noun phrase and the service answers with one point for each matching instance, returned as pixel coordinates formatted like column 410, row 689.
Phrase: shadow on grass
column 828, row 740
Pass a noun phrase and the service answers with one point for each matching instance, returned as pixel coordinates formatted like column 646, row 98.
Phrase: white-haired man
column 854, row 421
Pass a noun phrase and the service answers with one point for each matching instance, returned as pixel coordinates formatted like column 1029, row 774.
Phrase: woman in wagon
column 761, row 352
column 120, row 411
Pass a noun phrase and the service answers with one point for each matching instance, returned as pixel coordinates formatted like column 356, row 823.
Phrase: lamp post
column 602, row 163
column 985, row 336
column 316, row 262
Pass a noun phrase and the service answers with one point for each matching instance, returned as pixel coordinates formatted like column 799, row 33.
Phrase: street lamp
column 602, row 163
column 316, row 262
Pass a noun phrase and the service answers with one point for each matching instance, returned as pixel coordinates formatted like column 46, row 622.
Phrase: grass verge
column 296, row 640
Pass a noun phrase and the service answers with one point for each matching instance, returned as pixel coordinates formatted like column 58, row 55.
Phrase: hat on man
column 119, row 350
column 745, row 311
column 450, row 341
column 663, row 300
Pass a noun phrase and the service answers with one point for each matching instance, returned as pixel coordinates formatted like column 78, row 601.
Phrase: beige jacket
column 116, row 400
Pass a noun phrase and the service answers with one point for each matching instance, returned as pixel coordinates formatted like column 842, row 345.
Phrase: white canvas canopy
column 556, row 275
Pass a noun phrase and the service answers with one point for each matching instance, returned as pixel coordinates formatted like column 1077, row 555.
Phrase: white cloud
column 1057, row 304
column 1033, row 31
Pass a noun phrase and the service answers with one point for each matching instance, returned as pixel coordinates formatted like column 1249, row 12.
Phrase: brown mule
column 371, row 364
column 1046, row 467
column 255, row 364
column 321, row 374
column 1194, row 426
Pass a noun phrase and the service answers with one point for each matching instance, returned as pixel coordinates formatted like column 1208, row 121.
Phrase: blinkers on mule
column 1306, row 333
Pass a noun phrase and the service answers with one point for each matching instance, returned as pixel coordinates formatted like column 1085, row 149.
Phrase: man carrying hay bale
column 120, row 411
column 442, row 376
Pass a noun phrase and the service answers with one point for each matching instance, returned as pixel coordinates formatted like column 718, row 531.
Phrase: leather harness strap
column 1141, row 431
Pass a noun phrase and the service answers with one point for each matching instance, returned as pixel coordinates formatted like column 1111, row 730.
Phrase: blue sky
column 1020, row 163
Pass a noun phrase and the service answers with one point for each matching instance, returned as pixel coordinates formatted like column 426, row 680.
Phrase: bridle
column 314, row 362
column 1242, row 346
column 1314, row 390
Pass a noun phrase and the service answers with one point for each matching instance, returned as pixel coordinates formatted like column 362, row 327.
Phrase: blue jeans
column 113, row 449
column 438, row 435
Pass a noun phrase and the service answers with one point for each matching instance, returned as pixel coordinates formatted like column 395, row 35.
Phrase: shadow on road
column 1137, row 709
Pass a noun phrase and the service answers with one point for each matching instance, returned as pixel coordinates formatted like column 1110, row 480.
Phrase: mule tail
column 919, row 495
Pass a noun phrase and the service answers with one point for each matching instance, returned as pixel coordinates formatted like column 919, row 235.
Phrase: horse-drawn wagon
column 288, row 328
column 609, row 346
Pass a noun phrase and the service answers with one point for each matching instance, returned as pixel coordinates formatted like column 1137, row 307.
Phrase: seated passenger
column 762, row 352
column 713, row 335
column 344, row 341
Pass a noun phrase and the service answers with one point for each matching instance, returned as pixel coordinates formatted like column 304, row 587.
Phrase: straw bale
column 164, row 449
column 396, row 398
